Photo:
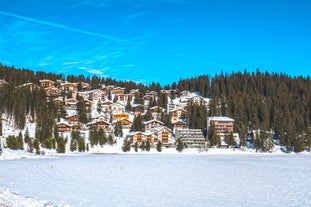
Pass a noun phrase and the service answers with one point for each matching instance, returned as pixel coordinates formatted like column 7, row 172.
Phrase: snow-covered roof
column 153, row 120
column 220, row 118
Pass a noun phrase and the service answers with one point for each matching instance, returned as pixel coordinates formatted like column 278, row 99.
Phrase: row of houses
column 113, row 111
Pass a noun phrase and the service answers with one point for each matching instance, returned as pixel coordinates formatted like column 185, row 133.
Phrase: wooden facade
column 47, row 83
column 63, row 127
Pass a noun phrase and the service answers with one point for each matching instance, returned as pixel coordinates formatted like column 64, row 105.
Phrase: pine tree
column 110, row 140
column 180, row 145
column 267, row 141
column 136, row 147
column 137, row 124
column 12, row 142
column 118, row 129
column 73, row 145
column 229, row 139
column 81, row 145
column 36, row 144
column 20, row 141
column 128, row 106
column 148, row 146
column 159, row 146
column 143, row 146
column 30, row 145
column 48, row 143
column 126, row 147
column 99, row 106
column 213, row 136
column 26, row 135
column 81, row 110
column 1, row 133
column 298, row 144
column 148, row 115
column 102, row 137
column 61, row 145
column 308, row 137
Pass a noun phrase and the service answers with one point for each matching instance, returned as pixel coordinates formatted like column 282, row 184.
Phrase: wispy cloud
column 95, row 3
column 202, row 60
column 134, row 16
column 94, row 71
column 64, row 27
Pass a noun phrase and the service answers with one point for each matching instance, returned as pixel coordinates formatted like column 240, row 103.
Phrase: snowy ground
column 158, row 180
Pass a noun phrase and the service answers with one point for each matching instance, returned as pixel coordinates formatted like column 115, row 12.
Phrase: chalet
column 69, row 87
column 117, row 108
column 162, row 134
column 198, row 100
column 75, row 127
column 120, row 116
column 148, row 97
column 153, row 93
column 71, row 104
column 73, row 119
column 109, row 88
column 221, row 124
column 135, row 92
column 166, row 92
column 102, row 118
column 98, row 123
column 192, row 138
column 172, row 105
column 151, row 125
column 59, row 102
column 30, row 86
column 126, row 123
column 47, row 83
column 179, row 125
column 3, row 82
column 118, row 90
column 129, row 97
column 106, row 106
column 120, row 97
column 156, row 111
column 63, row 127
column 134, row 137
column 185, row 93
column 177, row 114
column 138, row 109
column 95, row 94
column 52, row 92
column 83, row 94
column 84, row 86
column 88, row 104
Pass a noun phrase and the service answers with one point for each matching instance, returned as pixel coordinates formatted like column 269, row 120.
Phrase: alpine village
column 247, row 111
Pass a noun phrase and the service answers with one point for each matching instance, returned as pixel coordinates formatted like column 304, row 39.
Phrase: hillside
column 84, row 112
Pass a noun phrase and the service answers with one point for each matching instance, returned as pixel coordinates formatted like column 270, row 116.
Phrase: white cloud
column 95, row 72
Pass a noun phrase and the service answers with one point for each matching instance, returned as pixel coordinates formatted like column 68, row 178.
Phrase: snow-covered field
column 158, row 180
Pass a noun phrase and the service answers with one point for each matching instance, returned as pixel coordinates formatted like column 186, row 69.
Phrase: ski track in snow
column 158, row 180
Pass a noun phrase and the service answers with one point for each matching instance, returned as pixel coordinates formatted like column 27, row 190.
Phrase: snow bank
column 9, row 199
column 9, row 154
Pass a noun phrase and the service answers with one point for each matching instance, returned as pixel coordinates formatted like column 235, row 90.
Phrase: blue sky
column 156, row 41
